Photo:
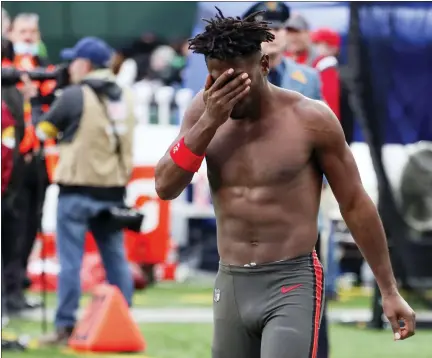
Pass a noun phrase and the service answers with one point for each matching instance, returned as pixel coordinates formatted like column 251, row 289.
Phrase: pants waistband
column 304, row 260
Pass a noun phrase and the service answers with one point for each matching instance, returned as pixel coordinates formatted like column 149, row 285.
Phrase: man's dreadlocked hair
column 228, row 37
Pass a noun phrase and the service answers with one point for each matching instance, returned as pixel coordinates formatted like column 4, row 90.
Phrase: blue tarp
column 399, row 44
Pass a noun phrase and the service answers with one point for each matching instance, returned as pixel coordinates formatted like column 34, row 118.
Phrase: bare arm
column 171, row 180
column 207, row 112
column 357, row 209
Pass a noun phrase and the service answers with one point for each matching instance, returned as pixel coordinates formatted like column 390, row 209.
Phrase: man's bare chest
column 258, row 156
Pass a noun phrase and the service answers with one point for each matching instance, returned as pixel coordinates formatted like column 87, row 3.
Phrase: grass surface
column 193, row 340
column 162, row 295
column 169, row 294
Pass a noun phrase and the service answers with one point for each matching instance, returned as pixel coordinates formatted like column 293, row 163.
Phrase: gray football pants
column 268, row 311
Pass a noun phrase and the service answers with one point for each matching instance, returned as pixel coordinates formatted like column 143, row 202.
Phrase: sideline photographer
column 94, row 122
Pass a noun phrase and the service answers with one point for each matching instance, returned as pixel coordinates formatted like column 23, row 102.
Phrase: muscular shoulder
column 198, row 101
column 195, row 109
column 319, row 121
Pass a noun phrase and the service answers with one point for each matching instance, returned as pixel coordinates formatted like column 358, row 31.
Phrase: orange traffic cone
column 107, row 325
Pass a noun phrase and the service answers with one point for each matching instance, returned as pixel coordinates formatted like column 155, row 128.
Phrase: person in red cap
column 327, row 45
column 322, row 56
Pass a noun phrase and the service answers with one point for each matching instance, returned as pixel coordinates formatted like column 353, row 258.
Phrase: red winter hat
column 326, row 36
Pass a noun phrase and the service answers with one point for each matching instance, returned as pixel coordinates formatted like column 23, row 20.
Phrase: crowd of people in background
column 153, row 58
column 161, row 62
column 150, row 58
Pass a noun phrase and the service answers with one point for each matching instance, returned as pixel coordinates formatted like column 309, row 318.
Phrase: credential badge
column 216, row 296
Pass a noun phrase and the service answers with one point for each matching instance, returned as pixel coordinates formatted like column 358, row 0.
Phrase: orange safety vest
column 50, row 145
column 30, row 141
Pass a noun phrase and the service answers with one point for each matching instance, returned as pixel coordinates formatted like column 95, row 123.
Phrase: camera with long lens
column 50, row 81
column 11, row 76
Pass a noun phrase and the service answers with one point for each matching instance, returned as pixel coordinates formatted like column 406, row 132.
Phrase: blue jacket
column 300, row 78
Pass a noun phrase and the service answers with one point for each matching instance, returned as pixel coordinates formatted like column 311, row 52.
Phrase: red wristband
column 185, row 158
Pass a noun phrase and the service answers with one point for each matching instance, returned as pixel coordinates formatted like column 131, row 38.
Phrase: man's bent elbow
column 170, row 180
column 164, row 189
column 164, row 192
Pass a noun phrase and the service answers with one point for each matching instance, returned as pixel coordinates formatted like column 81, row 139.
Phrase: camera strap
column 118, row 148
column 124, row 216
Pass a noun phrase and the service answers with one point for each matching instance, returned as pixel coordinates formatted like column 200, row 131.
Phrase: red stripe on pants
column 318, row 301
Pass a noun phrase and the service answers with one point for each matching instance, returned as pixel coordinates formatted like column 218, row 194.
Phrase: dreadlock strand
column 228, row 37
column 221, row 15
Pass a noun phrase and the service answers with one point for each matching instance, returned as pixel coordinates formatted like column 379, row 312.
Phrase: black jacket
column 15, row 102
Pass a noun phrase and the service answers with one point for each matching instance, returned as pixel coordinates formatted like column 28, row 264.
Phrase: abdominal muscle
column 264, row 224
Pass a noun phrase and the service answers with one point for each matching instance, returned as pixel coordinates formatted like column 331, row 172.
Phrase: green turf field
column 169, row 294
column 193, row 340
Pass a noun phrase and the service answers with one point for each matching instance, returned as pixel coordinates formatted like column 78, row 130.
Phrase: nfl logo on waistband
column 217, row 293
